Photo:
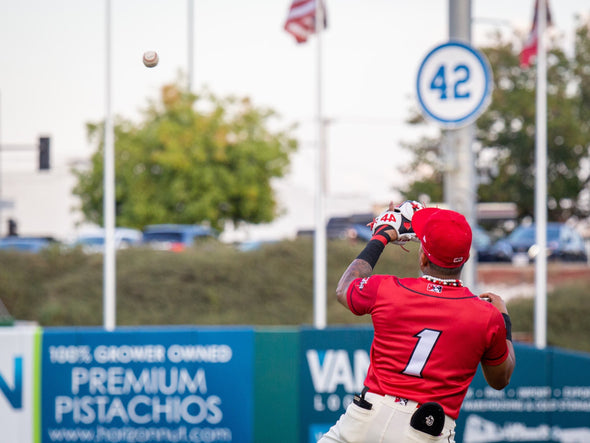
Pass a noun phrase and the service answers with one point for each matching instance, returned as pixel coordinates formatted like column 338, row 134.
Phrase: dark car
column 175, row 237
column 482, row 243
column 563, row 243
column 352, row 227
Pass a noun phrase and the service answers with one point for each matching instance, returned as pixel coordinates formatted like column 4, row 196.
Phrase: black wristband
column 508, row 324
column 372, row 252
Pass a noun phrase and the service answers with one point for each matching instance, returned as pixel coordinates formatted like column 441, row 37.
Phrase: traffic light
column 12, row 228
column 44, row 149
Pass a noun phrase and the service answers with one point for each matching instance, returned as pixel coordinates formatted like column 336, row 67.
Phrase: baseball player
column 430, row 333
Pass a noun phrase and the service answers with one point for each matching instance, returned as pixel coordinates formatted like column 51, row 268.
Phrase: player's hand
column 396, row 223
column 495, row 300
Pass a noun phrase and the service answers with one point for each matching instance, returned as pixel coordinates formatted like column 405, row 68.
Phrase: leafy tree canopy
column 195, row 158
column 504, row 144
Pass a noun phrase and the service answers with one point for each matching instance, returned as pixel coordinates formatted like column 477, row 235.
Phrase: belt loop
column 364, row 391
column 360, row 401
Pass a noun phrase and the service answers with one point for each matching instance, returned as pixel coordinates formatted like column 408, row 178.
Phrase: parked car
column 27, row 243
column 563, row 243
column 482, row 243
column 175, row 237
column 361, row 232
column 351, row 227
column 92, row 240
column 253, row 245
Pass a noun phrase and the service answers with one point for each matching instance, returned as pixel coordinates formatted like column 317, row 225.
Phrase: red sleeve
column 362, row 293
column 497, row 351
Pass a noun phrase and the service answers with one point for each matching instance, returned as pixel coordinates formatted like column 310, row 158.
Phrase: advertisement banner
column 334, row 365
column 547, row 400
column 18, row 388
column 147, row 385
column 276, row 385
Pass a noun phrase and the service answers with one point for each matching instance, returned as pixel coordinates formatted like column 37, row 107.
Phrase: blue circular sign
column 454, row 84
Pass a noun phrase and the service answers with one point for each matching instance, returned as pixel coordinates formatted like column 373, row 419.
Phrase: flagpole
column 541, row 181
column 190, row 43
column 319, row 320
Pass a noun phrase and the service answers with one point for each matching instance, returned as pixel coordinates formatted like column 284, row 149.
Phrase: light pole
column 460, row 191
column 109, row 258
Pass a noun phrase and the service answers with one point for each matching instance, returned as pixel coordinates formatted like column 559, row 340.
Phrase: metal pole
column 1, row 175
column 319, row 319
column 190, row 42
column 109, row 288
column 541, row 182
column 459, row 185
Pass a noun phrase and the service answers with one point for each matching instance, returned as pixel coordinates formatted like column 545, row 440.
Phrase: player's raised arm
column 357, row 269
column 392, row 226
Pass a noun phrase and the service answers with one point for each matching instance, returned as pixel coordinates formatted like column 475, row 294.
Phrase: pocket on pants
column 413, row 435
column 419, row 436
column 359, row 412
column 353, row 425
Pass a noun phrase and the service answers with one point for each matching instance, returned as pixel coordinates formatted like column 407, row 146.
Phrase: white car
column 92, row 241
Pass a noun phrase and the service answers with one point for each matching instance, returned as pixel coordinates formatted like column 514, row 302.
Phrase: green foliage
column 215, row 284
column 568, row 310
column 212, row 284
column 193, row 159
column 505, row 134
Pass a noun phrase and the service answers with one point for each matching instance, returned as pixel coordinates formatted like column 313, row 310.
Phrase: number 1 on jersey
column 427, row 338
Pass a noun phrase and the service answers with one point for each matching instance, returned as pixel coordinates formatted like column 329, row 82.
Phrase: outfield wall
column 244, row 384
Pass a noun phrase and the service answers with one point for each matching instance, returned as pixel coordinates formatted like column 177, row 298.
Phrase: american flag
column 530, row 47
column 301, row 21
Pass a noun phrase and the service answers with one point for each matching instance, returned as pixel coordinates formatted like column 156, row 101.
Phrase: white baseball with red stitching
column 150, row 58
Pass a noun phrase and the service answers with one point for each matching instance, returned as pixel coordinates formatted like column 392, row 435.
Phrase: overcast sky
column 52, row 72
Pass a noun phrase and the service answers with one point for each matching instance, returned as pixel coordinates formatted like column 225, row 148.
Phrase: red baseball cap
column 445, row 236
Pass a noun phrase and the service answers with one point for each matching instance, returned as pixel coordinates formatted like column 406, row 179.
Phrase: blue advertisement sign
column 18, row 386
column 147, row 385
column 547, row 400
column 334, row 364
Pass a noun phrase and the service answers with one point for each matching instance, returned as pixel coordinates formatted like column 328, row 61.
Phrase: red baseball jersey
column 428, row 338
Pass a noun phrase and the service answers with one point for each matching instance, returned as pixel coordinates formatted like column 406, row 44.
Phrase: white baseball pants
column 388, row 421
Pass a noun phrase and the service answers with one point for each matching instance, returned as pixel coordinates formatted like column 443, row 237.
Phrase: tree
column 505, row 134
column 193, row 159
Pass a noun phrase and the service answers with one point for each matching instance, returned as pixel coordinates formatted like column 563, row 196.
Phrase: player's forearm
column 362, row 266
column 499, row 376
column 359, row 268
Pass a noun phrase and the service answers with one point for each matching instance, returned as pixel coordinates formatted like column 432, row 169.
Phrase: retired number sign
column 454, row 84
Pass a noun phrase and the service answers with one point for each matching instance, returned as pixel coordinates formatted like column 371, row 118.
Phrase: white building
column 40, row 202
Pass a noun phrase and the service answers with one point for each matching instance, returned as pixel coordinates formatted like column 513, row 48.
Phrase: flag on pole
column 301, row 21
column 530, row 47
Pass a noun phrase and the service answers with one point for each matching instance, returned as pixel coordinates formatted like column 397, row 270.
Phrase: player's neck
column 443, row 281
column 428, row 271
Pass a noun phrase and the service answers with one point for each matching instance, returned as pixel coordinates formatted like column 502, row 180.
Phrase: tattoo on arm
column 357, row 269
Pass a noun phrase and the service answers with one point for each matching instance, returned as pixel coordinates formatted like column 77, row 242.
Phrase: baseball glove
column 399, row 219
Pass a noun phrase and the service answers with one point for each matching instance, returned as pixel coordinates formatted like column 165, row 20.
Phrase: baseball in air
column 150, row 58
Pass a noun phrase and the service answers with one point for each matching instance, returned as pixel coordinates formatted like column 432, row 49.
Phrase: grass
column 215, row 284
column 568, row 310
